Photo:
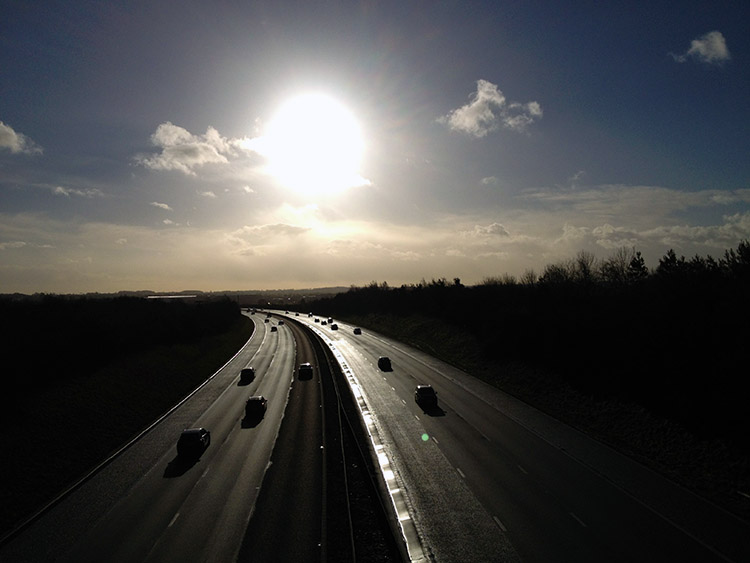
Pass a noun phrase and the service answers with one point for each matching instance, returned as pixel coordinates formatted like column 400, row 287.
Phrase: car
column 296, row 314
column 317, row 320
column 247, row 375
column 334, row 326
column 330, row 320
column 273, row 329
column 255, row 406
column 323, row 323
column 281, row 323
column 425, row 396
column 384, row 363
column 193, row 442
column 265, row 321
column 305, row 371
column 357, row 330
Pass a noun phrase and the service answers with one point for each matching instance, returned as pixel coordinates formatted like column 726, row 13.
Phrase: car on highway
column 193, row 442
column 273, row 329
column 265, row 321
column 323, row 323
column 384, row 363
column 281, row 323
column 357, row 330
column 305, row 371
column 255, row 406
column 425, row 396
column 334, row 326
column 317, row 320
column 247, row 375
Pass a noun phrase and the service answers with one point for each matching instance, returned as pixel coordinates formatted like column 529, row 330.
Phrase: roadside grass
column 56, row 433
column 710, row 468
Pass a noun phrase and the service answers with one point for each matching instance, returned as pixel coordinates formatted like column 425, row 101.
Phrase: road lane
column 201, row 510
column 557, row 504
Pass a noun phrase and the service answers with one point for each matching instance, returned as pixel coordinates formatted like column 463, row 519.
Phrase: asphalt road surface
column 488, row 478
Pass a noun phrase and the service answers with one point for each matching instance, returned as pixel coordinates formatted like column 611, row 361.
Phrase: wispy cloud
column 16, row 142
column 163, row 206
column 67, row 192
column 711, row 48
column 488, row 111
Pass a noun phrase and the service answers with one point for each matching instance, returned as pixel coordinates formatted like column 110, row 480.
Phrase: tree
column 637, row 269
column 615, row 268
column 670, row 265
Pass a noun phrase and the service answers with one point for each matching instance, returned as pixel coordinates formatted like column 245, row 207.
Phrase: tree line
column 672, row 339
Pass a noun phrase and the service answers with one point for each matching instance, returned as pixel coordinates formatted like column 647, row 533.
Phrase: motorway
column 488, row 478
column 483, row 477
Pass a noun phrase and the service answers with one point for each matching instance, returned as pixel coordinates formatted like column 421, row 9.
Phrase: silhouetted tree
column 637, row 269
column 670, row 265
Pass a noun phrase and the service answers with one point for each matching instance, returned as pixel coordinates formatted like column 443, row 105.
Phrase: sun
column 314, row 146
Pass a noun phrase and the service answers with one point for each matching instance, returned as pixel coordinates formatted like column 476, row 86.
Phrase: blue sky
column 153, row 145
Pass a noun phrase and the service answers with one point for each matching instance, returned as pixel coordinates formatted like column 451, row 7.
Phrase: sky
column 193, row 145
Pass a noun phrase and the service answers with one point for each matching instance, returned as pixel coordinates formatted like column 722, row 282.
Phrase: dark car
column 273, row 329
column 384, row 363
column 193, row 442
column 357, row 330
column 255, row 407
column 425, row 396
column 247, row 375
column 281, row 323
column 305, row 371
column 334, row 326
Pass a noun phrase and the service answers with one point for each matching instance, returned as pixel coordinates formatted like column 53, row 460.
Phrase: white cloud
column 12, row 244
column 209, row 194
column 490, row 181
column 67, row 192
column 183, row 151
column 710, row 49
column 17, row 142
column 488, row 111
column 494, row 229
column 160, row 205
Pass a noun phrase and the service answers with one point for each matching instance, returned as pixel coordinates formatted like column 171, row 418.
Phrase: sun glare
column 315, row 146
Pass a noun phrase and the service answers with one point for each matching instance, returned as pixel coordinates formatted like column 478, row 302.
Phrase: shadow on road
column 249, row 422
column 179, row 466
column 433, row 411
